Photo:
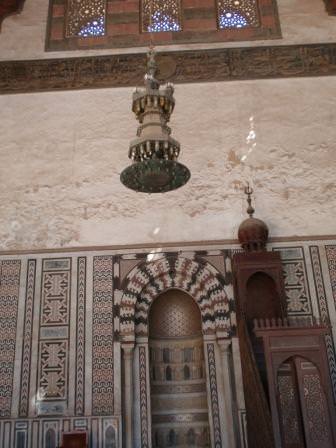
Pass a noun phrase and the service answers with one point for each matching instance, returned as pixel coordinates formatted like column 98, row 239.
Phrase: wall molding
column 125, row 70
column 162, row 244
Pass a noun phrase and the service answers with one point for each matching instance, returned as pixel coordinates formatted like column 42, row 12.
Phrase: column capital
column 127, row 348
column 224, row 345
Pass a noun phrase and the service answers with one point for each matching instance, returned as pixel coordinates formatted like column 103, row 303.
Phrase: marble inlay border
column 80, row 336
column 214, row 396
column 143, row 398
column 224, row 64
column 27, row 338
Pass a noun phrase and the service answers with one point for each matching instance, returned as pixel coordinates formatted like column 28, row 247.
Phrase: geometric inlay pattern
column 324, row 311
column 316, row 412
column 214, row 396
column 53, row 368
column 85, row 18
column 55, row 298
column 102, row 336
column 198, row 278
column 27, row 338
column 295, row 278
column 237, row 13
column 80, row 339
column 9, row 297
column 288, row 408
column 54, row 321
column 161, row 16
column 331, row 257
column 143, row 398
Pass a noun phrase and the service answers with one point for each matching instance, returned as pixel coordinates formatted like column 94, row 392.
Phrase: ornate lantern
column 154, row 152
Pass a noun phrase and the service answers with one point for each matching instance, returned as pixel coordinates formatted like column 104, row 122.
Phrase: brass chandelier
column 154, row 152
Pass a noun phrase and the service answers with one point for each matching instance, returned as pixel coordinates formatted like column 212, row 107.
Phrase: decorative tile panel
column 55, row 298
column 27, row 338
column 9, row 297
column 324, row 311
column 331, row 257
column 53, row 370
column 102, row 336
column 143, row 398
column 80, row 339
column 214, row 396
column 52, row 381
column 296, row 285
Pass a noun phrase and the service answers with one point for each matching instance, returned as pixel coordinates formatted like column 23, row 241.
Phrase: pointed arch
column 196, row 277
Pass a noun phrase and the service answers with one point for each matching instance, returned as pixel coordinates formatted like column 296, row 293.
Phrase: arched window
column 85, row 18
column 172, row 438
column 50, row 438
column 191, row 437
column 188, row 354
column 237, row 13
column 186, row 372
column 161, row 16
column 169, row 373
column 80, row 24
column 110, row 438
column 166, row 355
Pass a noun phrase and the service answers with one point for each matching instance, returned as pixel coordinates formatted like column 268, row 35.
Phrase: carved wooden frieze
column 9, row 7
column 226, row 64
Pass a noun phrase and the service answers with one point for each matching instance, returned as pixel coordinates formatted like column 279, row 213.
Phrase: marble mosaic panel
column 27, row 338
column 80, row 335
column 296, row 284
column 324, row 311
column 214, row 396
column 102, row 336
column 331, row 257
column 9, row 297
column 52, row 381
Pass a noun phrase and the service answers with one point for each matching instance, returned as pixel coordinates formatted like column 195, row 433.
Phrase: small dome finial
column 248, row 191
column 253, row 232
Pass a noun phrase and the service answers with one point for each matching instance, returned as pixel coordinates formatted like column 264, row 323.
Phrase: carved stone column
column 128, row 393
column 225, row 353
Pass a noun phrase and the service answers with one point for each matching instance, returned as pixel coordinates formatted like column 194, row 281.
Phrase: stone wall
column 60, row 362
column 62, row 153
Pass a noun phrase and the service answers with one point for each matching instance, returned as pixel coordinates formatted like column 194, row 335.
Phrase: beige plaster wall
column 61, row 155
column 23, row 36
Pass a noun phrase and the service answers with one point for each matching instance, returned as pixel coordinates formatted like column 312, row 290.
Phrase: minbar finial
column 248, row 191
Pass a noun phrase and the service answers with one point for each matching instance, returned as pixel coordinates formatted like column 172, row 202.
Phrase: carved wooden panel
column 225, row 64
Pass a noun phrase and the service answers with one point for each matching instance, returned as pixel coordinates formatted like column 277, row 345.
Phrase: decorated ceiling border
column 226, row 64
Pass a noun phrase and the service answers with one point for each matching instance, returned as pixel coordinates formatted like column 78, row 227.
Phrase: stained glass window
column 158, row 15
column 237, row 13
column 85, row 18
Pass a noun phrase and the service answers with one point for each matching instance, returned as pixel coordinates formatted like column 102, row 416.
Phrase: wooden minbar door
column 299, row 384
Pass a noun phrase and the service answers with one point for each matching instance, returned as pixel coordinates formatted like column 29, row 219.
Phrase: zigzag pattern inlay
column 9, row 298
column 214, row 396
column 331, row 257
column 27, row 338
column 143, row 398
column 201, row 280
column 102, row 336
column 80, row 336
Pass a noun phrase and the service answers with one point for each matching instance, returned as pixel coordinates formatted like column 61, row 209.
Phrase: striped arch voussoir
column 199, row 279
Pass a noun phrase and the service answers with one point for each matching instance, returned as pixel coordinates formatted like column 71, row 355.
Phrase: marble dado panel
column 47, row 432
column 70, row 303
column 53, row 359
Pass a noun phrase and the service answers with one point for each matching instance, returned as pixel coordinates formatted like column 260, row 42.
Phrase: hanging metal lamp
column 154, row 152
